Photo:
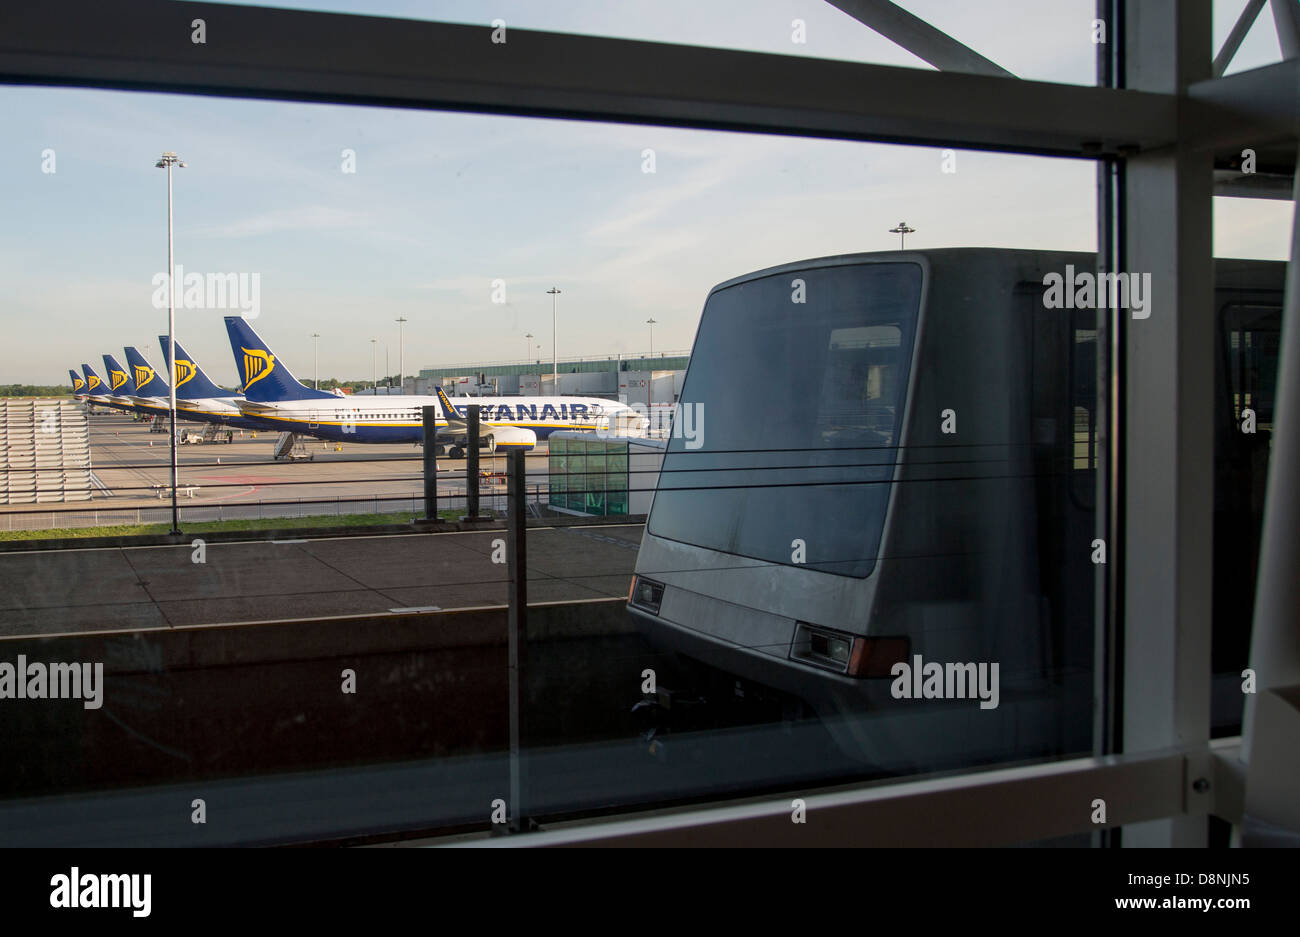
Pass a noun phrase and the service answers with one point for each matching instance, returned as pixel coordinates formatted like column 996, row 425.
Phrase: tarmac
column 146, row 587
column 241, row 480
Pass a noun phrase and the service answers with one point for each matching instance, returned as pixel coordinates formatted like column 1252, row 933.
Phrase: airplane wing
column 252, row 408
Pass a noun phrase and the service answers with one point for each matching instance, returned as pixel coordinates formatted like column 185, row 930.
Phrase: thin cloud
column 308, row 217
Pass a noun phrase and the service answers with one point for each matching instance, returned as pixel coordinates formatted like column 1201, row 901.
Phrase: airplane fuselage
column 397, row 419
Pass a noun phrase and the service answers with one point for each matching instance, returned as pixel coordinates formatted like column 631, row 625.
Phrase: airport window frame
column 1158, row 123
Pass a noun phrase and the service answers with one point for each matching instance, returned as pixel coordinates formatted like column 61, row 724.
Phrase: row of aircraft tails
column 271, row 398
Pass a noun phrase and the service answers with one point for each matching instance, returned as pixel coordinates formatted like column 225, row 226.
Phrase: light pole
column 651, row 374
column 902, row 231
column 315, row 353
column 374, row 372
column 166, row 161
column 555, row 357
column 401, row 354
column 388, row 373
column 528, row 345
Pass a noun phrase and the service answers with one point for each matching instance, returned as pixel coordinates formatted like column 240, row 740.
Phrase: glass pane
column 828, row 390
column 1258, row 47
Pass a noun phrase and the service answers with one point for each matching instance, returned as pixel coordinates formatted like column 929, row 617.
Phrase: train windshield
column 791, row 412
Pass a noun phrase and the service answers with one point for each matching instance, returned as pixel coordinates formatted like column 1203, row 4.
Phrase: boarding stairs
column 289, row 448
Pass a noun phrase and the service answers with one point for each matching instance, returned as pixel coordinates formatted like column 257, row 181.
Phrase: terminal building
column 618, row 378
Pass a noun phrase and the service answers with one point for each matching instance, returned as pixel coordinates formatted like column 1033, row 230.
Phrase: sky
column 441, row 205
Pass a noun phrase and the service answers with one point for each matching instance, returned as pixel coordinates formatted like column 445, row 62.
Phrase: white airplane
column 274, row 395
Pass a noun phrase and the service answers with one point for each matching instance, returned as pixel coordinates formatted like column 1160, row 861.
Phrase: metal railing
column 493, row 501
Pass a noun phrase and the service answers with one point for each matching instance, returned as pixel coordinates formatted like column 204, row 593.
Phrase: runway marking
column 252, row 481
column 240, row 479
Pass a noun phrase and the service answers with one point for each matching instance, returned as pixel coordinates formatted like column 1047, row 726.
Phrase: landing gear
column 456, row 452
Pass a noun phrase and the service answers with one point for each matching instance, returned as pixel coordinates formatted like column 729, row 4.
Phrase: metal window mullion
column 1168, row 470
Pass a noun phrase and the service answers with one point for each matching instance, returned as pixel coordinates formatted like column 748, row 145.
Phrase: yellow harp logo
column 118, row 378
column 94, row 382
column 78, row 383
column 184, row 371
column 143, row 375
column 257, row 365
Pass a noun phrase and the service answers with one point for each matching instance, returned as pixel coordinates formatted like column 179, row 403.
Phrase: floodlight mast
column 555, row 356
column 166, row 161
column 902, row 231
column 650, row 379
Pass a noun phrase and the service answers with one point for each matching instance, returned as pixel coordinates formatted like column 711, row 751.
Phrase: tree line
column 63, row 390
column 35, row 390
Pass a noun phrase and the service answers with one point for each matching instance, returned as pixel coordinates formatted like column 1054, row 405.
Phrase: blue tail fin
column 93, row 384
column 449, row 412
column 191, row 382
column 265, row 377
column 119, row 379
column 147, row 381
column 78, row 382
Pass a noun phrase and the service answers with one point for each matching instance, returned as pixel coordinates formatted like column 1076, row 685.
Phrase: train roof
column 1229, row 268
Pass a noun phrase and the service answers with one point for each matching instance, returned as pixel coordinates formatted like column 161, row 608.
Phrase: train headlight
column 822, row 647
column 646, row 594
column 848, row 654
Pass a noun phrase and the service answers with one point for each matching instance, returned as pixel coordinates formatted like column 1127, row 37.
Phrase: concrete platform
column 89, row 590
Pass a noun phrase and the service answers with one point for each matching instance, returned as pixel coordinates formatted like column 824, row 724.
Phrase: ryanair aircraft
column 116, row 393
column 96, row 391
column 151, row 395
column 272, row 393
column 120, row 385
column 78, row 385
column 198, row 398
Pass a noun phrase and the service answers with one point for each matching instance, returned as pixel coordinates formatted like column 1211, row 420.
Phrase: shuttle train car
column 890, row 515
